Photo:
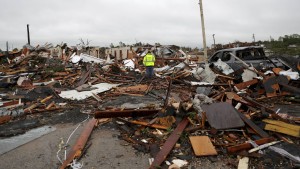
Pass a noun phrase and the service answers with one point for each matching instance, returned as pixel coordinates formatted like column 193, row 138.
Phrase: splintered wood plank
column 137, row 88
column 5, row 118
column 77, row 149
column 169, row 144
column 222, row 116
column 253, row 126
column 282, row 124
column 280, row 129
column 247, row 146
column 243, row 85
column 202, row 146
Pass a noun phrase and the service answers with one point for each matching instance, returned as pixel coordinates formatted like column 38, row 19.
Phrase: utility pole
column 7, row 53
column 214, row 41
column 28, row 35
column 253, row 38
column 203, row 31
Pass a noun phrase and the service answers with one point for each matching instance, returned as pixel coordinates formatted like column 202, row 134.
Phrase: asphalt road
column 106, row 151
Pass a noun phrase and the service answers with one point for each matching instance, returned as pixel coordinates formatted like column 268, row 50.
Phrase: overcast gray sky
column 166, row 21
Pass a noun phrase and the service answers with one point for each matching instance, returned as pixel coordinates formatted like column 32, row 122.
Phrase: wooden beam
column 169, row 144
column 247, row 146
column 282, row 127
column 125, row 113
column 258, row 130
column 81, row 141
column 149, row 125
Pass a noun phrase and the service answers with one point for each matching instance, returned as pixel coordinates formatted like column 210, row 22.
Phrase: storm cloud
column 130, row 21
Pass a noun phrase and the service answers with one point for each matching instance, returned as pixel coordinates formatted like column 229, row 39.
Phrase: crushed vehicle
column 252, row 55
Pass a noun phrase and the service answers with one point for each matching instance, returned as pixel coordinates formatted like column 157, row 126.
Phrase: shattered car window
column 226, row 56
column 250, row 54
column 216, row 56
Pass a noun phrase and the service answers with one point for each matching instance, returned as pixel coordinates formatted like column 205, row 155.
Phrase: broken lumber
column 80, row 143
column 4, row 119
column 137, row 88
column 258, row 130
column 149, row 125
column 282, row 127
column 10, row 104
column 246, row 146
column 263, row 146
column 125, row 113
column 46, row 99
column 169, row 144
column 243, row 85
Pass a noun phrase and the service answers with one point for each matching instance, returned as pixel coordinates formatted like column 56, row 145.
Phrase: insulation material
column 292, row 75
column 179, row 163
column 248, row 75
column 199, row 100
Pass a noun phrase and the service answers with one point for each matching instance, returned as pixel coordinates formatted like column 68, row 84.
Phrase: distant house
column 128, row 52
column 292, row 46
column 121, row 53
column 94, row 51
column 268, row 52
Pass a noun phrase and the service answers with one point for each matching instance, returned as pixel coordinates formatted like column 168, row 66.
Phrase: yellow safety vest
column 149, row 60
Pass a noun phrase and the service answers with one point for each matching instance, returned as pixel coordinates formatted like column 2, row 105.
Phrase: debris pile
column 187, row 112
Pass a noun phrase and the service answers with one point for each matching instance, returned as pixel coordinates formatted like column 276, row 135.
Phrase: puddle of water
column 11, row 143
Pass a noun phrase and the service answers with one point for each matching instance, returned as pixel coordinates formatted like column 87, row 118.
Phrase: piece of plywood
column 222, row 116
column 202, row 146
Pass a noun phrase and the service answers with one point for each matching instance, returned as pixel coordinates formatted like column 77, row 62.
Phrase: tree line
column 287, row 44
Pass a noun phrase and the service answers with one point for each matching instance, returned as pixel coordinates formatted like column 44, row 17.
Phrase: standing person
column 148, row 61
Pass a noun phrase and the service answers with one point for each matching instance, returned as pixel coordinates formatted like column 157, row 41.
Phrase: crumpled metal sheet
column 75, row 95
column 224, row 67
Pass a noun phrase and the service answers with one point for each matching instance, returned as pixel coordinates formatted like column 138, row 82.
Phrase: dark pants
column 149, row 71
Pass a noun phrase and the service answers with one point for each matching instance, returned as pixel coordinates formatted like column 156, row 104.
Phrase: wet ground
column 105, row 151
column 105, row 148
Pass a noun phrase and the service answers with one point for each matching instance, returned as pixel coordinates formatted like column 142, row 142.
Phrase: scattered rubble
column 188, row 111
